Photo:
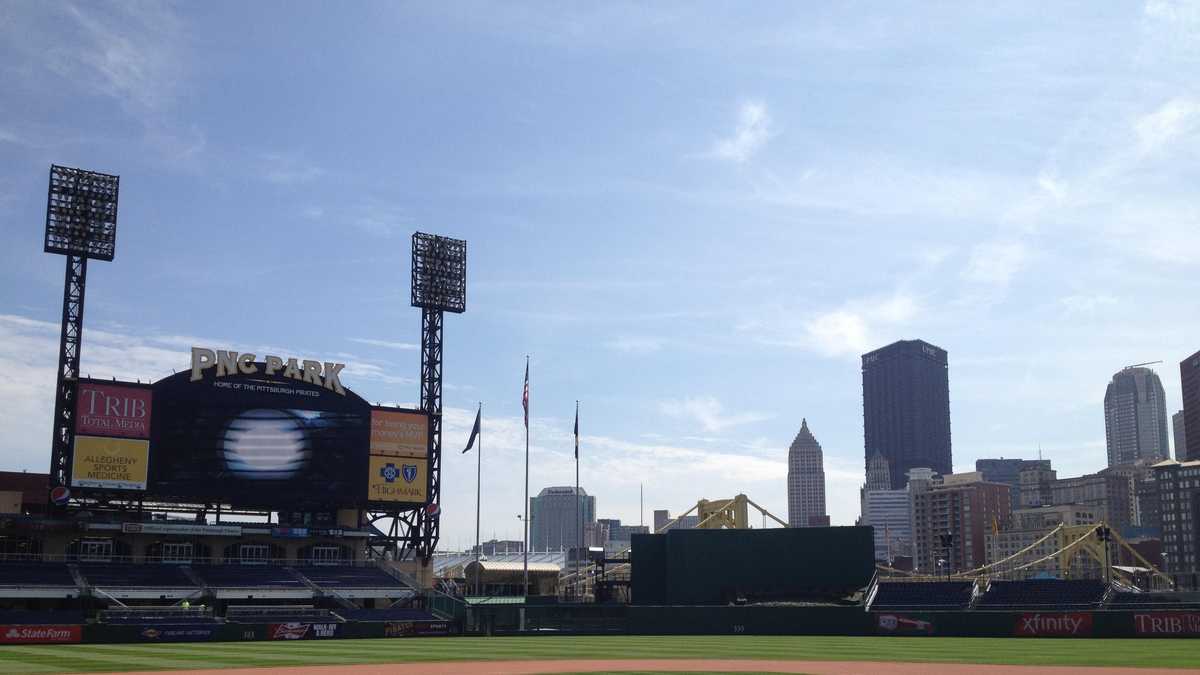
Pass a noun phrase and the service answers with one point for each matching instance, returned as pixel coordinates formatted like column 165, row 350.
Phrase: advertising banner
column 1064, row 624
column 399, row 434
column 110, row 463
column 113, row 410
column 397, row 479
column 1162, row 624
column 181, row 528
column 176, row 633
column 416, row 628
column 301, row 631
column 25, row 635
column 901, row 624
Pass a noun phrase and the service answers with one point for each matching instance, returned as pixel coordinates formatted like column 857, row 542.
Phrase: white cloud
column 130, row 54
column 849, row 330
column 996, row 262
column 405, row 346
column 838, row 333
column 1087, row 304
column 285, row 169
column 1174, row 119
column 708, row 412
column 752, row 132
column 636, row 344
column 381, row 220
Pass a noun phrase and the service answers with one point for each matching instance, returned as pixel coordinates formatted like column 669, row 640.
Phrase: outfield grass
column 1028, row 651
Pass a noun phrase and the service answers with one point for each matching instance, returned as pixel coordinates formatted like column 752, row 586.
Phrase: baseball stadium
column 250, row 511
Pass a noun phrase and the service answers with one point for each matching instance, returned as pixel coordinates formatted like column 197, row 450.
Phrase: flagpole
column 478, row 492
column 578, row 517
column 525, row 570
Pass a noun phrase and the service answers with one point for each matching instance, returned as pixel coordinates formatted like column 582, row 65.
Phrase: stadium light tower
column 439, row 284
column 81, row 223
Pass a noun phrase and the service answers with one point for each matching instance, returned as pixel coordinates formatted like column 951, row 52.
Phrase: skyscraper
column 1135, row 417
column 1189, row 378
column 553, row 518
column 906, row 408
column 806, row 481
column 1177, row 428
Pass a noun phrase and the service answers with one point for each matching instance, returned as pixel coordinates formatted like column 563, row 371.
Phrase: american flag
column 525, row 395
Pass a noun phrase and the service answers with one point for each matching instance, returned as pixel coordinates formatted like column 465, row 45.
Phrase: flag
column 474, row 430
column 576, row 429
column 525, row 395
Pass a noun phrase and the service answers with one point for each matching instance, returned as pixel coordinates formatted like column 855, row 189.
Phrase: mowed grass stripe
column 149, row 656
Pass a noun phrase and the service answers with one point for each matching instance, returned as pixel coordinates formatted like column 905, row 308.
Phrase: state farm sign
column 38, row 634
column 1167, row 623
column 1068, row 624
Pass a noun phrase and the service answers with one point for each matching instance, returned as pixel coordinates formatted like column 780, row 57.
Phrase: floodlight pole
column 71, row 340
column 81, row 223
column 428, row 527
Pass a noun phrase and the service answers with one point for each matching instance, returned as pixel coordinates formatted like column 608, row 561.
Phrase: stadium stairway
column 321, row 592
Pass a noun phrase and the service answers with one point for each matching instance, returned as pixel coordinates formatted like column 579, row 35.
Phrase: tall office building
column 1179, row 487
column 1189, row 378
column 879, row 473
column 806, row 481
column 1177, row 429
column 962, row 505
column 1135, row 417
column 906, row 408
column 553, row 523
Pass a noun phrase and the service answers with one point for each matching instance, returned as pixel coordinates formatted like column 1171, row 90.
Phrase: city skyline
column 694, row 224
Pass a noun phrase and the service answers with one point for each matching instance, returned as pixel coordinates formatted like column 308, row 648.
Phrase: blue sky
column 693, row 217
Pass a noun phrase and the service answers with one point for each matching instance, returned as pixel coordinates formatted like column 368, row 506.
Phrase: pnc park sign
column 228, row 362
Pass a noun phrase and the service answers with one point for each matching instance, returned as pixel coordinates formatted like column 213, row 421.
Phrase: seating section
column 159, row 615
column 35, row 574
column 1122, row 600
column 397, row 614
column 926, row 595
column 278, row 614
column 42, row 617
column 140, row 576
column 344, row 576
column 1038, row 593
column 247, row 576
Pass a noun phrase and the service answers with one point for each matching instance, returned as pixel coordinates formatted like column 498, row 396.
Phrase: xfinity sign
column 322, row 374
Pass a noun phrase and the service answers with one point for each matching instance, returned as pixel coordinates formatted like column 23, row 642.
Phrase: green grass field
column 1031, row 651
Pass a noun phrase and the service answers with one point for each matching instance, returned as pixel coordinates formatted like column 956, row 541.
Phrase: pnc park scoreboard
column 256, row 433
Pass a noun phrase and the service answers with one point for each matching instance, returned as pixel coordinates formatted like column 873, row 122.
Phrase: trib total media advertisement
column 270, row 432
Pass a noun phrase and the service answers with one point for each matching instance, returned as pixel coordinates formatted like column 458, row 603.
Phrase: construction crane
column 1139, row 365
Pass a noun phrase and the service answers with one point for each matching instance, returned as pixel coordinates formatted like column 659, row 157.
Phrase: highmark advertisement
column 110, row 463
column 397, row 479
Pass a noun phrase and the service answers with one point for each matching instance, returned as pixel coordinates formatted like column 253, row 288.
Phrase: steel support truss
column 68, row 370
column 416, row 531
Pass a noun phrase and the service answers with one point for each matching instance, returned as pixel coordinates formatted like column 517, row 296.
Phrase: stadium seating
column 247, row 576
column 140, row 576
column 391, row 614
column 35, row 574
column 923, row 595
column 1043, row 593
column 344, row 576
column 281, row 614
column 1172, row 600
column 162, row 615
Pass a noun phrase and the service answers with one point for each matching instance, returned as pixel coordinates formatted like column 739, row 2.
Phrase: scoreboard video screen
column 249, row 436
